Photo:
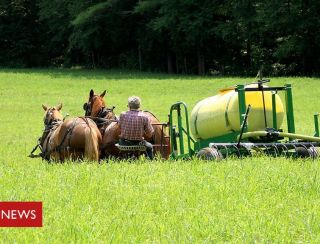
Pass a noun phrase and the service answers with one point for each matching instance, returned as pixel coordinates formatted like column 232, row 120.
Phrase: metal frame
column 228, row 140
column 181, row 131
column 316, row 125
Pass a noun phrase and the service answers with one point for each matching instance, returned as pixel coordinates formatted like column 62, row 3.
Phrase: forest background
column 214, row 37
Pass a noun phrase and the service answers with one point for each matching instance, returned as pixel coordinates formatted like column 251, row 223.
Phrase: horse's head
column 96, row 106
column 52, row 114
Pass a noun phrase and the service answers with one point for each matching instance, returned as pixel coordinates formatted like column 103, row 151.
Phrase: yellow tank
column 219, row 115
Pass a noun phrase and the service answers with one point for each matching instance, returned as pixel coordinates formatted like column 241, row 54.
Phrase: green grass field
column 250, row 200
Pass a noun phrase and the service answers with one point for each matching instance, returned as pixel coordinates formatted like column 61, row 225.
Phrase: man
column 135, row 125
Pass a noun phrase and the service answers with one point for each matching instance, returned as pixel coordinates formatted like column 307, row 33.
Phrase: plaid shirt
column 134, row 125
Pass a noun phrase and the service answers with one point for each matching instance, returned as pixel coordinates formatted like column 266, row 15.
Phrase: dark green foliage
column 20, row 33
column 190, row 36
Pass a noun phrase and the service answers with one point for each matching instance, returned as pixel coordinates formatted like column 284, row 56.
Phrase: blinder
column 87, row 108
column 48, row 120
column 103, row 113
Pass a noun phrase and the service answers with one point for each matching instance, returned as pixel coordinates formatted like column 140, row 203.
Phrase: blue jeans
column 149, row 151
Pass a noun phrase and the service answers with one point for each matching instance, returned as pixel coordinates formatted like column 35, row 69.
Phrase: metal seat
column 134, row 148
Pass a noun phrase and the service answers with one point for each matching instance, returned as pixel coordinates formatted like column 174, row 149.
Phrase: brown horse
column 75, row 138
column 110, row 129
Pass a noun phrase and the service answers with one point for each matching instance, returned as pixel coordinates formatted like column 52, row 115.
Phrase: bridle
column 87, row 108
column 50, row 124
column 49, row 121
column 103, row 112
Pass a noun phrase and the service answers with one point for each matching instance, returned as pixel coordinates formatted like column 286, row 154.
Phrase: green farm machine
column 242, row 120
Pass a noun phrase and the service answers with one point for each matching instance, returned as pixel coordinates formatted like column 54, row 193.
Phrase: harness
column 101, row 121
column 68, row 133
column 46, row 136
column 87, row 107
column 50, row 127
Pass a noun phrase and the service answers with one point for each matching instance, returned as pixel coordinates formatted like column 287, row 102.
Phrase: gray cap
column 134, row 102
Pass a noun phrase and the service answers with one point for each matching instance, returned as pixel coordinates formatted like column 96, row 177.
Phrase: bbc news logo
column 20, row 214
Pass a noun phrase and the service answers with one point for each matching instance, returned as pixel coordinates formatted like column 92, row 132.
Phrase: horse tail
column 91, row 151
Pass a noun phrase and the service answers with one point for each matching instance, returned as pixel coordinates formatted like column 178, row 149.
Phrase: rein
column 102, row 120
column 146, row 111
column 104, row 111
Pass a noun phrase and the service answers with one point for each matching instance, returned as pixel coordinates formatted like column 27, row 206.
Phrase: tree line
column 175, row 36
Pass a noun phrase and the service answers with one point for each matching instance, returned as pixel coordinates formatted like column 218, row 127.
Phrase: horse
column 74, row 139
column 110, row 129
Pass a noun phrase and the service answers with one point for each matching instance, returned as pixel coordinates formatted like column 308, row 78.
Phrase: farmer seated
column 135, row 125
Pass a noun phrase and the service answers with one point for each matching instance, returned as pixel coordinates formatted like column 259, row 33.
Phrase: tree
column 190, row 36
column 20, row 40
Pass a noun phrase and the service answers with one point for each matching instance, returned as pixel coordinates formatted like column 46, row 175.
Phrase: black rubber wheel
column 302, row 152
column 312, row 152
column 209, row 153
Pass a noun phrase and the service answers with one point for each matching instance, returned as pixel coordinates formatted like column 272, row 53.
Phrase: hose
column 281, row 134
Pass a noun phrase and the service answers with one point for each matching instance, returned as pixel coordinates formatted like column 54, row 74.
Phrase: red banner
column 20, row 214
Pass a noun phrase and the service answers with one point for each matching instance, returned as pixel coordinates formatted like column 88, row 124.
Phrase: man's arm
column 120, row 119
